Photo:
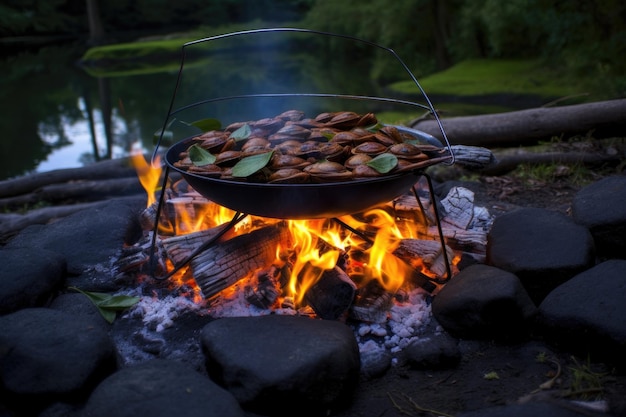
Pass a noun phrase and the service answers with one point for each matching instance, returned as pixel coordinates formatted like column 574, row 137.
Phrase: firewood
column 416, row 252
column 179, row 248
column 332, row 295
column 371, row 304
column 225, row 263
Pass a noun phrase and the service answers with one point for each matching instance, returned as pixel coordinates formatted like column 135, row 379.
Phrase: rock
column 484, row 302
column 78, row 304
column 588, row 312
column 439, row 351
column 601, row 207
column 46, row 353
column 160, row 388
column 28, row 277
column 277, row 364
column 542, row 247
column 88, row 239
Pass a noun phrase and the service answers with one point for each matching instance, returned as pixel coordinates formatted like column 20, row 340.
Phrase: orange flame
column 149, row 174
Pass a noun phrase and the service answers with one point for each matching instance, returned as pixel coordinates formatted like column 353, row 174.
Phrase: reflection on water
column 57, row 115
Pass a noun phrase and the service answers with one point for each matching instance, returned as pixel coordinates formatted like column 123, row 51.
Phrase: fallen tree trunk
column 115, row 168
column 525, row 127
column 508, row 163
column 79, row 190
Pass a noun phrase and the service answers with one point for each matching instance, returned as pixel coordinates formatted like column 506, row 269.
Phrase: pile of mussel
column 331, row 147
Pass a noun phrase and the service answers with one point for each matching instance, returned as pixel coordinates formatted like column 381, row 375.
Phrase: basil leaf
column 251, row 164
column 108, row 304
column 384, row 162
column 200, row 156
column 207, row 124
column 243, row 132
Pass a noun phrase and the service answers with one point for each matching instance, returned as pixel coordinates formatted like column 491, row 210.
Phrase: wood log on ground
column 89, row 190
column 508, row 163
column 524, row 127
column 225, row 263
column 115, row 168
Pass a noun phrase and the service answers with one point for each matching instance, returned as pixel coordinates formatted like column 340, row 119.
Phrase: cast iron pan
column 300, row 201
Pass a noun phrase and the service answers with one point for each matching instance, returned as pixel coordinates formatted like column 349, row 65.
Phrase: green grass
column 491, row 76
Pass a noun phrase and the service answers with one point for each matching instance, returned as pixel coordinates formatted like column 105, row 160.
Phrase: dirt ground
column 491, row 373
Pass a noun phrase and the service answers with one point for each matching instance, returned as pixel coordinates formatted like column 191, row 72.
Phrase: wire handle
column 429, row 107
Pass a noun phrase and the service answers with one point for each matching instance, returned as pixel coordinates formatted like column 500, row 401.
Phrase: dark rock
column 588, row 312
column 277, row 364
column 439, row 351
column 47, row 354
column 87, row 239
column 28, row 277
column 542, row 247
column 160, row 388
column 601, row 207
column 483, row 301
column 78, row 304
column 534, row 409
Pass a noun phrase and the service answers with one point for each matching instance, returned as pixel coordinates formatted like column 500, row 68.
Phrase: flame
column 149, row 174
column 315, row 247
column 310, row 263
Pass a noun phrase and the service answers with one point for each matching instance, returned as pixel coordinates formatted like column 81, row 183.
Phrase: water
column 57, row 114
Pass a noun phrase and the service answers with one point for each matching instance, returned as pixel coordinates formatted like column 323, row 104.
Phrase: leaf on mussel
column 207, row 124
column 383, row 163
column 251, row 164
column 242, row 133
column 375, row 128
column 108, row 304
column 200, row 156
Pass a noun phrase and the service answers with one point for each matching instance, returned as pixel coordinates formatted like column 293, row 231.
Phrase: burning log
column 224, row 263
column 179, row 248
column 332, row 295
column 428, row 253
column 371, row 304
column 265, row 293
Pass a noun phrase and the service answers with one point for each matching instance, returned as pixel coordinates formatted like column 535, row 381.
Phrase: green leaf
column 242, row 133
column 168, row 135
column 207, row 124
column 200, row 156
column 251, row 164
column 118, row 302
column 328, row 135
column 384, row 162
column 108, row 304
column 109, row 315
column 375, row 128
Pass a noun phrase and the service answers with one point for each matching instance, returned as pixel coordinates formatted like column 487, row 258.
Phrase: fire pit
column 334, row 247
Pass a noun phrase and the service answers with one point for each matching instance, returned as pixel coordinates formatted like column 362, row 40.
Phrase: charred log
column 332, row 295
column 225, row 263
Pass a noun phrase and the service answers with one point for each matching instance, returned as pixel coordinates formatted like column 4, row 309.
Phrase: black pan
column 300, row 201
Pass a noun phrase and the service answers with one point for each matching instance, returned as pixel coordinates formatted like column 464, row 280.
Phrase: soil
column 492, row 373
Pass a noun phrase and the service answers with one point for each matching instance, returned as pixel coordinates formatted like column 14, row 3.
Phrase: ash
column 407, row 320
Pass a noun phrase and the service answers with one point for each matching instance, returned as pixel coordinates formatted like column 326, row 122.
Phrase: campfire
column 347, row 267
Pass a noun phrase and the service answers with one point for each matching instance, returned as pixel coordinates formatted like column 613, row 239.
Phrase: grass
column 493, row 76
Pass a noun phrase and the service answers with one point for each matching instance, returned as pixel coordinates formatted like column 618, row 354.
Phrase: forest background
column 578, row 38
